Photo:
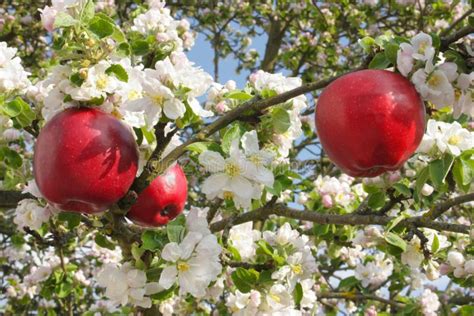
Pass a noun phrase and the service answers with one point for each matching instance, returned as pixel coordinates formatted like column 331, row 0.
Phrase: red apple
column 162, row 200
column 370, row 121
column 85, row 160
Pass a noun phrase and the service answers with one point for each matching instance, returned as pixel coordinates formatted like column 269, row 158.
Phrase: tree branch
column 346, row 219
column 357, row 297
column 440, row 208
column 446, row 41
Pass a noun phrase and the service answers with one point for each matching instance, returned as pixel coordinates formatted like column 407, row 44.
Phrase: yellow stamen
column 183, row 266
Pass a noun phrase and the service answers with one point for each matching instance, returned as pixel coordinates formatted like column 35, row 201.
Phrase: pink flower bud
column 327, row 201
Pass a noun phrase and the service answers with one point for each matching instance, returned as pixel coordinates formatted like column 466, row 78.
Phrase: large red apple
column 85, row 160
column 370, row 121
column 162, row 200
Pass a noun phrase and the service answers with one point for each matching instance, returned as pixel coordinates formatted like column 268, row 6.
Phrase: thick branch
column 440, row 208
column 359, row 296
column 446, row 41
column 346, row 219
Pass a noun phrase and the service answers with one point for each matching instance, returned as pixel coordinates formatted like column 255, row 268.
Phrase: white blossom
column 446, row 137
column 127, row 285
column 30, row 214
column 12, row 75
column 243, row 238
column 374, row 272
column 194, row 263
column 429, row 303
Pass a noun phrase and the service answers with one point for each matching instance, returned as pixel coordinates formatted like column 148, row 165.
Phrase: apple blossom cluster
column 296, row 269
column 267, row 84
column 29, row 213
column 194, row 262
column 429, row 303
column 140, row 100
column 442, row 137
column 458, row 265
column 241, row 176
column 60, row 8
column 13, row 77
column 374, row 273
column 169, row 33
column 127, row 285
column 338, row 191
column 438, row 82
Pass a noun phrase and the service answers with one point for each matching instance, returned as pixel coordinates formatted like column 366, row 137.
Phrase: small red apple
column 85, row 160
column 162, row 200
column 370, row 121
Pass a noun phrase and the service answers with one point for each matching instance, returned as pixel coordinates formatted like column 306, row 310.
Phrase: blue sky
column 202, row 54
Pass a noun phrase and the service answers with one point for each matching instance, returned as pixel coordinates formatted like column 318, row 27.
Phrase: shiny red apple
column 162, row 200
column 370, row 121
column 85, row 160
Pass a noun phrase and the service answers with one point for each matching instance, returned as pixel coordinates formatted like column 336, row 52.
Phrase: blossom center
column 435, row 80
column 275, row 297
column 454, row 140
column 297, row 268
column 157, row 99
column 256, row 159
column 133, row 95
column 232, row 169
column 102, row 82
column 228, row 195
column 423, row 46
column 183, row 266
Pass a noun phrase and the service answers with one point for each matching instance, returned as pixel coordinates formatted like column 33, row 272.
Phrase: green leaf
column 298, row 294
column 402, row 189
column 11, row 158
column 457, row 58
column 394, row 222
column 76, row 79
column 88, row 11
column 229, row 136
column 391, row 50
column 439, row 169
column 281, row 120
column 463, row 172
column 376, row 200
column 140, row 47
column 276, row 189
column 245, row 279
column 238, row 95
column 72, row 219
column 13, row 108
column 175, row 229
column 320, row 229
column 103, row 242
column 436, row 40
column 421, row 180
column 380, row 61
column 64, row 288
column 348, row 283
column 124, row 49
column 152, row 240
column 395, row 240
column 367, row 43
column 471, row 20
column 20, row 112
column 101, row 27
column 200, row 147
column 118, row 71
column 63, row 19
column 235, row 253
column 435, row 244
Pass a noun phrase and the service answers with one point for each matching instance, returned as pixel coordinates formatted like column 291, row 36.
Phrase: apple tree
column 336, row 179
